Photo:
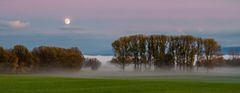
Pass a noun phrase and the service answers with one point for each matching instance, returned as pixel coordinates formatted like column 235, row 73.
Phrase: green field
column 50, row 84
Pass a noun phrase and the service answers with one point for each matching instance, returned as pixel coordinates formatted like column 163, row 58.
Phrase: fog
column 108, row 70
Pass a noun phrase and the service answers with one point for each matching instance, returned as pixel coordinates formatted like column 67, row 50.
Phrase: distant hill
column 226, row 50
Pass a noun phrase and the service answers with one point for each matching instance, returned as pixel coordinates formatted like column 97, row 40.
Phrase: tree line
column 234, row 57
column 44, row 58
column 92, row 63
column 162, row 51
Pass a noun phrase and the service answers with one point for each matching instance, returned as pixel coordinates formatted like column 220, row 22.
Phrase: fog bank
column 110, row 70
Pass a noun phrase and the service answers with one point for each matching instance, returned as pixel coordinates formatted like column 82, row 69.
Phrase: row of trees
column 157, row 51
column 92, row 63
column 234, row 57
column 20, row 60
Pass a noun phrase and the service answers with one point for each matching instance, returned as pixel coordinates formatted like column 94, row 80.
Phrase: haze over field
column 109, row 70
column 119, row 46
column 96, row 23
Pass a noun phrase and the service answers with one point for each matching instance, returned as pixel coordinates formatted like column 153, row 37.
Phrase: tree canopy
column 20, row 60
column 164, row 51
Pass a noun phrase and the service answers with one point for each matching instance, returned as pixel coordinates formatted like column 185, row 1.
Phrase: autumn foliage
column 161, row 51
column 20, row 60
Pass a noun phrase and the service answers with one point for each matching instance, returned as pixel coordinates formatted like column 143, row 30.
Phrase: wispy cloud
column 13, row 24
column 70, row 28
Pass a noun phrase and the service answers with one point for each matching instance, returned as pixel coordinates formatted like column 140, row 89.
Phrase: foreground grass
column 41, row 84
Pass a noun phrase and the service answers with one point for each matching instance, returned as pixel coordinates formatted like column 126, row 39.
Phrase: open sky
column 96, row 23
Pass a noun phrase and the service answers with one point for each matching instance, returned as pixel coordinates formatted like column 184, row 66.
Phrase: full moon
column 67, row 21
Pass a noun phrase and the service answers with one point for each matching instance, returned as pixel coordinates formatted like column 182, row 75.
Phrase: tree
column 143, row 50
column 211, row 48
column 93, row 63
column 13, row 63
column 43, row 58
column 25, row 58
column 234, row 59
column 3, row 59
column 164, row 50
column 54, row 58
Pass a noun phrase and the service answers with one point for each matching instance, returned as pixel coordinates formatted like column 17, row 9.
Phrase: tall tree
column 25, row 58
column 3, row 59
column 211, row 48
column 163, row 50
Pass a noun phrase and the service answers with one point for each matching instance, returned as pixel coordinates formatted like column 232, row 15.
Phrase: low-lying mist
column 109, row 70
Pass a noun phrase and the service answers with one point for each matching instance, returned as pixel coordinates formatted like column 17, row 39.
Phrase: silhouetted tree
column 53, row 58
column 182, row 51
column 20, row 60
column 234, row 57
column 25, row 58
column 3, row 59
column 93, row 63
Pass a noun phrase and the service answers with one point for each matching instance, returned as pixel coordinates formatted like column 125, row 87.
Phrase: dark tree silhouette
column 43, row 58
column 165, row 51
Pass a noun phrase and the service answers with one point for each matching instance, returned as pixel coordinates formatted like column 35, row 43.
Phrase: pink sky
column 219, row 19
column 123, row 9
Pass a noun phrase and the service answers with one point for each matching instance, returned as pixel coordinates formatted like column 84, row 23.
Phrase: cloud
column 13, row 24
column 17, row 24
column 71, row 28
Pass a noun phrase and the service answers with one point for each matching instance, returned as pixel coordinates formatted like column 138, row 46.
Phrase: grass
column 47, row 84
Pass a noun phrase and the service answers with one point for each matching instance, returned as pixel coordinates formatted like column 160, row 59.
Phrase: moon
column 67, row 21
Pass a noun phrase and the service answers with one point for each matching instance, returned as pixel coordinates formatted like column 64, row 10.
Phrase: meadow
column 58, row 84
